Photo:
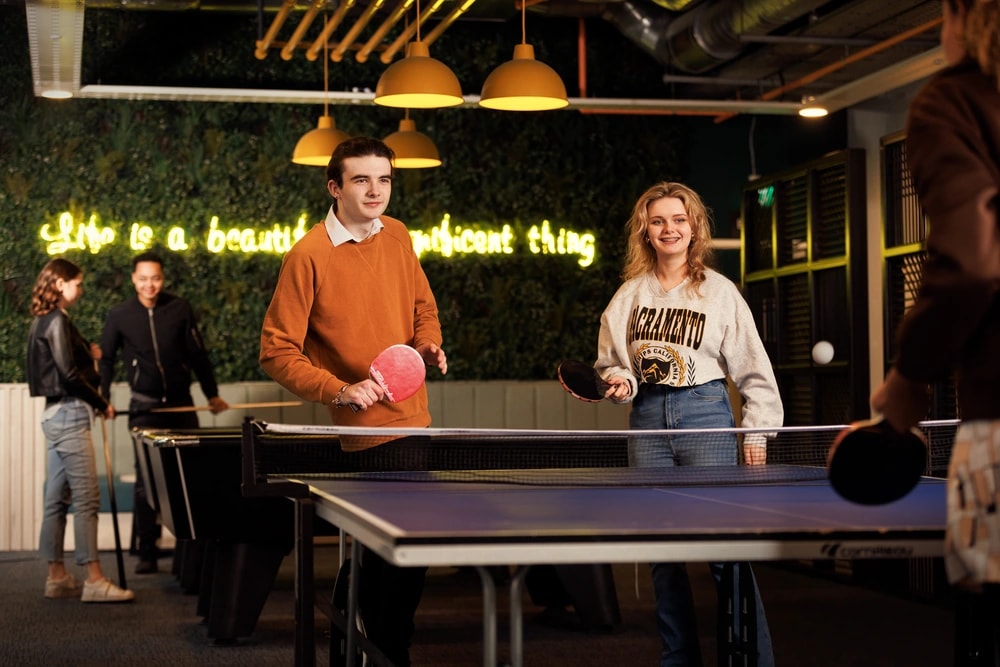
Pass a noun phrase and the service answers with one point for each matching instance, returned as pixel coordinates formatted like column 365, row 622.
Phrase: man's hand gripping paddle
column 399, row 370
column 582, row 381
column 871, row 463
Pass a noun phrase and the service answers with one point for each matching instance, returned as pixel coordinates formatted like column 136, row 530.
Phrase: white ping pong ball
column 822, row 352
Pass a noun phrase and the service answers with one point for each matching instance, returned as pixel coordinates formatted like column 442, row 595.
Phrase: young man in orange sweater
column 348, row 289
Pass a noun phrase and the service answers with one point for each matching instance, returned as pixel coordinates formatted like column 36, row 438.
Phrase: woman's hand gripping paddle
column 582, row 381
column 871, row 463
column 399, row 370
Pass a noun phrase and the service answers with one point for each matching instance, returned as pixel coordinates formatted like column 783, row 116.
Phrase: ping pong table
column 463, row 524
column 427, row 520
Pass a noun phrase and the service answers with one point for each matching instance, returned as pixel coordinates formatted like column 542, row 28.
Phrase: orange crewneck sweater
column 335, row 308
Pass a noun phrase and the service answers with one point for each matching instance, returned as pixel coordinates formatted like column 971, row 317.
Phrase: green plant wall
column 173, row 163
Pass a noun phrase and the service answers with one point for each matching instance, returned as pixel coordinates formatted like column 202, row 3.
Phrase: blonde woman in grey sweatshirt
column 669, row 337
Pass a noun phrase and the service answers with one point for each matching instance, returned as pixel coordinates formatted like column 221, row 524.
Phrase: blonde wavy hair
column 981, row 33
column 45, row 294
column 640, row 257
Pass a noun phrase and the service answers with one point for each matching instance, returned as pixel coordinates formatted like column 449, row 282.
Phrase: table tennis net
column 547, row 457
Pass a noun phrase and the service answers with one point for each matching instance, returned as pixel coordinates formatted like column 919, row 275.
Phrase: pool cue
column 232, row 406
column 114, row 504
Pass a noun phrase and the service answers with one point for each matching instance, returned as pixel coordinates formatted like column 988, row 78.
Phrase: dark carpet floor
column 815, row 621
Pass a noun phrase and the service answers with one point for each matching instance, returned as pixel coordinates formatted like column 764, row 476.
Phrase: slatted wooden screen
column 904, row 233
column 813, row 284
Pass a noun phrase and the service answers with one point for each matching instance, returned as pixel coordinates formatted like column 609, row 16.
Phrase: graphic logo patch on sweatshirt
column 656, row 364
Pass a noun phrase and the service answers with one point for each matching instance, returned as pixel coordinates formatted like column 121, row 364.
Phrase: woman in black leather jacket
column 61, row 368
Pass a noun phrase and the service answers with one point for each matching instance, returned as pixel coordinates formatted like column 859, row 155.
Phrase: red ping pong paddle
column 871, row 463
column 582, row 381
column 399, row 370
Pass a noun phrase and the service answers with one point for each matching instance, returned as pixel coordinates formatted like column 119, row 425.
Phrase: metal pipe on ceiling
column 279, row 19
column 337, row 54
column 258, row 96
column 808, row 40
column 775, row 93
column 403, row 37
column 854, row 57
column 447, row 21
column 393, row 18
column 312, row 53
column 300, row 30
column 707, row 35
column 581, row 54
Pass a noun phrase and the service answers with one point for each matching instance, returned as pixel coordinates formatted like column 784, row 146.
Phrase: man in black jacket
column 161, row 346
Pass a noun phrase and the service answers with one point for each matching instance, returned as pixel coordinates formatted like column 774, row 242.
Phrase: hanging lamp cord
column 326, row 76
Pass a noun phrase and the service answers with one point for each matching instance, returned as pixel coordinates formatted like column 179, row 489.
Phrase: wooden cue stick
column 110, row 475
column 232, row 406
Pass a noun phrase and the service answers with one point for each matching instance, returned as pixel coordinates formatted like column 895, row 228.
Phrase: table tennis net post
column 545, row 457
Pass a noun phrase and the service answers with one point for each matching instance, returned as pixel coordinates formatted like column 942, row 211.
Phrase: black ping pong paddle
column 582, row 381
column 871, row 463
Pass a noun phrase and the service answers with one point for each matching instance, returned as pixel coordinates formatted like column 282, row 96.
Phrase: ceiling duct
column 706, row 36
column 55, row 40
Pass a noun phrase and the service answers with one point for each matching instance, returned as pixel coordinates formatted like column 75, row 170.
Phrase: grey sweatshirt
column 682, row 338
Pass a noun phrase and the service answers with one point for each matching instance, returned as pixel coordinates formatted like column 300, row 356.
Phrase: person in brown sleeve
column 953, row 153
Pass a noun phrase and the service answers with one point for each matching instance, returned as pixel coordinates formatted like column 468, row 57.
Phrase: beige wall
column 499, row 404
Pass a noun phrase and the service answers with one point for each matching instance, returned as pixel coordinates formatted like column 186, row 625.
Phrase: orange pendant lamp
column 315, row 147
column 523, row 84
column 418, row 81
column 413, row 149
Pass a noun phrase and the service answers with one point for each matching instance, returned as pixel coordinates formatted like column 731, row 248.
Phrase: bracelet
column 337, row 403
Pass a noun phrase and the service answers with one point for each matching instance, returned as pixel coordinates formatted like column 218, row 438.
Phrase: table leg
column 517, row 617
column 748, row 613
column 305, row 590
column 352, row 602
column 737, row 617
column 489, row 617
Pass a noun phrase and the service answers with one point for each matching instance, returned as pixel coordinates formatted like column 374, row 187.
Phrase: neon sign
column 445, row 240
column 69, row 234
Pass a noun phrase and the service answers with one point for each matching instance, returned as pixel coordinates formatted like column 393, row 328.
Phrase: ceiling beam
column 895, row 76
column 263, row 96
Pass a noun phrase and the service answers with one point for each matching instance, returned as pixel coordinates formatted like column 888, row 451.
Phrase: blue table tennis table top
column 414, row 523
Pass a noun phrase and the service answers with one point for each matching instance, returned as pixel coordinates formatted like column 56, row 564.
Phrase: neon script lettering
column 69, row 234
column 447, row 240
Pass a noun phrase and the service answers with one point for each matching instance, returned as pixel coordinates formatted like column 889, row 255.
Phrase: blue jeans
column 71, row 479
column 703, row 406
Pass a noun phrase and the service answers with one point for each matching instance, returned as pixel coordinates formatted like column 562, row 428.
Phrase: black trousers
column 977, row 627
column 388, row 597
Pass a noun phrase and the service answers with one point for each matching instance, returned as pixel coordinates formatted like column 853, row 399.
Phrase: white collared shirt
column 338, row 233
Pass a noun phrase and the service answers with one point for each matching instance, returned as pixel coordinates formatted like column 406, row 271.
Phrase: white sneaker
column 67, row 587
column 103, row 590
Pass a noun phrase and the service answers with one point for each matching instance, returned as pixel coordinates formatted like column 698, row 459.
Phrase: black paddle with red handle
column 871, row 463
column 582, row 381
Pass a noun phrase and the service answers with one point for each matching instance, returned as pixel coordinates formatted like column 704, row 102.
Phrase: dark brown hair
column 355, row 147
column 45, row 295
